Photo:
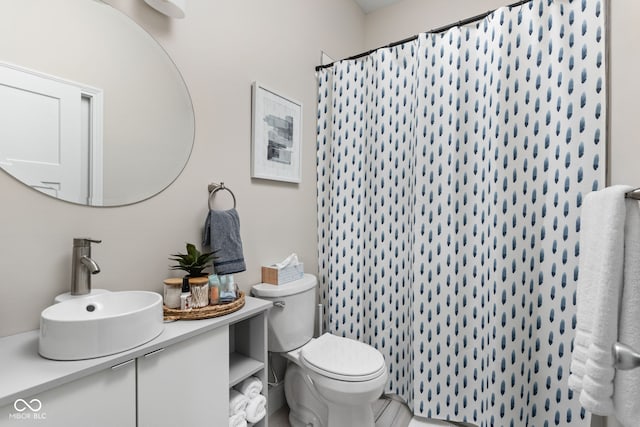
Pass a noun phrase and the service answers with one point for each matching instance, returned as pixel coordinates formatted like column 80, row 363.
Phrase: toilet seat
column 342, row 359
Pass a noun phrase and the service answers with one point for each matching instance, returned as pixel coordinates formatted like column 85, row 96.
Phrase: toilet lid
column 342, row 358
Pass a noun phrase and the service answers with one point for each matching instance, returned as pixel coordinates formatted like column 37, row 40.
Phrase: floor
column 280, row 418
column 388, row 412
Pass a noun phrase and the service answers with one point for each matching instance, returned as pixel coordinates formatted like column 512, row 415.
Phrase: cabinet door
column 104, row 399
column 186, row 384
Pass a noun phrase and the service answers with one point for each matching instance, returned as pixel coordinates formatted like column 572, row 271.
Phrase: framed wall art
column 276, row 136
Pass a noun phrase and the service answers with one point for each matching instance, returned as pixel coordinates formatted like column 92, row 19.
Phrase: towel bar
column 625, row 358
column 633, row 194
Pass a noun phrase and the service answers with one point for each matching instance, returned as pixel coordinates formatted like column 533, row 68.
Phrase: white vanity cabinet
column 181, row 378
column 103, row 399
column 185, row 384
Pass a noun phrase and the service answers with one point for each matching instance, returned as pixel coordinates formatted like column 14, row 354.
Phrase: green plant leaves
column 193, row 262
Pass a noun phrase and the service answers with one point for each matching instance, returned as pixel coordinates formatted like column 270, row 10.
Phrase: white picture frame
column 276, row 136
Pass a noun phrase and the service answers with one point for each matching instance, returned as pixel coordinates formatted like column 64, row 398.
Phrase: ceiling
column 371, row 5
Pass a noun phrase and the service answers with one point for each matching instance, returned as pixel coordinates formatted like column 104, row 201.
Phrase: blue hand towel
column 222, row 235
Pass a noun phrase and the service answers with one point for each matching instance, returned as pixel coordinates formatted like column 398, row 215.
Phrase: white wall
column 624, row 93
column 220, row 48
column 624, row 90
column 410, row 17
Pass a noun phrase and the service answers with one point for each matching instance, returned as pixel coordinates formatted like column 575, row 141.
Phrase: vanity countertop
column 23, row 372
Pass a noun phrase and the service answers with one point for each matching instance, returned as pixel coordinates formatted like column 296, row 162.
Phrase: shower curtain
column 451, row 170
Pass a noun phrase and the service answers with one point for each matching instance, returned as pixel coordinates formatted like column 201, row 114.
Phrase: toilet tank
column 291, row 319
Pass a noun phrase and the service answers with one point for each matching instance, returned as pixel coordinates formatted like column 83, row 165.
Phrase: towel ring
column 214, row 188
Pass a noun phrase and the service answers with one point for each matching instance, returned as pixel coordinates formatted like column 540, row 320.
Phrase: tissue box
column 276, row 276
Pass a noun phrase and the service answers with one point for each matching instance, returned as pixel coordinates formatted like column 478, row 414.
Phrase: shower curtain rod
column 434, row 31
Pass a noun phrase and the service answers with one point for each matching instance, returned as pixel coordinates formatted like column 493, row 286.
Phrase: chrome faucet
column 82, row 266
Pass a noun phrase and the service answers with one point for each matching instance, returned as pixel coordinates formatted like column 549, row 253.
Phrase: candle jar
column 214, row 289
column 172, row 291
column 227, row 288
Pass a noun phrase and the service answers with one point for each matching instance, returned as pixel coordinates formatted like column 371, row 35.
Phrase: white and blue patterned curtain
column 451, row 171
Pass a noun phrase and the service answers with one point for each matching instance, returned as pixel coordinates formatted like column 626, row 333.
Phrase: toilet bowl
column 347, row 375
column 330, row 381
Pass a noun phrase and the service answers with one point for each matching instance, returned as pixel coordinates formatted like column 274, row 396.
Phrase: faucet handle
column 84, row 241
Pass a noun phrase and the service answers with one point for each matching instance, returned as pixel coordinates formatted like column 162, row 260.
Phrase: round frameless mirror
column 92, row 110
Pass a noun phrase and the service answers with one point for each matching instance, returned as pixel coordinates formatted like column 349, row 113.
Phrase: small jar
column 214, row 289
column 172, row 291
column 199, row 291
column 227, row 288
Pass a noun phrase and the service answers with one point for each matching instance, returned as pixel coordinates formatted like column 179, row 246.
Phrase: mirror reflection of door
column 50, row 134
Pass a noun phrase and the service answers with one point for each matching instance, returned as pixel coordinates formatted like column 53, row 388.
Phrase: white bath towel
column 600, row 278
column 256, row 409
column 238, row 420
column 626, row 396
column 251, row 387
column 237, row 402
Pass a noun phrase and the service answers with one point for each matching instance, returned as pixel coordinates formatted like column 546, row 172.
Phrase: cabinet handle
column 153, row 353
column 123, row 364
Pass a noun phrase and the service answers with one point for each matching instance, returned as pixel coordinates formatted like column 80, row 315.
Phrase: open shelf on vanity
column 241, row 367
column 248, row 353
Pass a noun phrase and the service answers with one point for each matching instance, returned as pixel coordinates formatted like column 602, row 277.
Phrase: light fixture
column 172, row 8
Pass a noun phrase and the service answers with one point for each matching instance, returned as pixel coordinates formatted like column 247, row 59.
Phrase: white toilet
column 331, row 381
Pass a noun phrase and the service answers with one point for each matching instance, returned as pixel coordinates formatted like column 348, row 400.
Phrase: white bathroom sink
column 99, row 325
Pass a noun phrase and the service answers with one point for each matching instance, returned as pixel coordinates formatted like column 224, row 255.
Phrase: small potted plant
column 194, row 263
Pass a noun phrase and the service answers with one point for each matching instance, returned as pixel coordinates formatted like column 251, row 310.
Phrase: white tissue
column 291, row 260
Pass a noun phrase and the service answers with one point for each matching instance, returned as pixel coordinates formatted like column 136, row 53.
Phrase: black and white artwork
column 276, row 135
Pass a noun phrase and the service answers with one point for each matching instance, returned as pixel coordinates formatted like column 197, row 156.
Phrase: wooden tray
column 204, row 312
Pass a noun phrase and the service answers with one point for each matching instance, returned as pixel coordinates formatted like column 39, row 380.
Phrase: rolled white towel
column 251, row 387
column 256, row 409
column 238, row 420
column 237, row 402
